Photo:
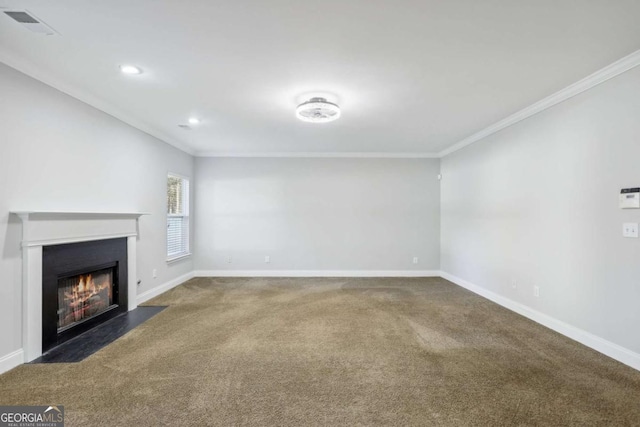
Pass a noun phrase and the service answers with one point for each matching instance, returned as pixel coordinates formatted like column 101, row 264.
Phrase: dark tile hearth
column 95, row 339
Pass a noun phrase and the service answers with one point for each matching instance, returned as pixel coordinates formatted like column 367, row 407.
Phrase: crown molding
column 625, row 64
column 34, row 72
column 621, row 66
column 332, row 155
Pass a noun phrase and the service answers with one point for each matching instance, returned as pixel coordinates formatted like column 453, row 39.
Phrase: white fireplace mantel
column 45, row 228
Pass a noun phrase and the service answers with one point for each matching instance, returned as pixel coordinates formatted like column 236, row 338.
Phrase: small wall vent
column 30, row 22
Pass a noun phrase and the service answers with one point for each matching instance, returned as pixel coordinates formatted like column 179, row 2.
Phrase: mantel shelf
column 44, row 228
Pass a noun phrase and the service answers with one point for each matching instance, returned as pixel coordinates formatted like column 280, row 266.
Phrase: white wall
column 317, row 214
column 537, row 203
column 57, row 153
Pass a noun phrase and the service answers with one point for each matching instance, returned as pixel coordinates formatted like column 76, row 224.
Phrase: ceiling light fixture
column 130, row 69
column 194, row 120
column 318, row 110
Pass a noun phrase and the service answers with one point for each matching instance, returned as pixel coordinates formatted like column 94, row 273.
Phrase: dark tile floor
column 85, row 345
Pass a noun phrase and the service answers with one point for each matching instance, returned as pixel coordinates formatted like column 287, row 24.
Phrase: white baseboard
column 317, row 273
column 601, row 345
column 146, row 296
column 11, row 360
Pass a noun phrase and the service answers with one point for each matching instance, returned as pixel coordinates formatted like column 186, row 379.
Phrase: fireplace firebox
column 84, row 296
column 83, row 284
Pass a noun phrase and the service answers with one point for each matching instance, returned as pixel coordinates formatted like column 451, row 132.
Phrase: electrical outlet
column 229, row 259
column 630, row 229
column 536, row 291
column 415, row 259
column 155, row 273
column 267, row 259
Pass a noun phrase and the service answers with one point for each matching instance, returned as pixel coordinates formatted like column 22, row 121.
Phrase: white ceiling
column 412, row 76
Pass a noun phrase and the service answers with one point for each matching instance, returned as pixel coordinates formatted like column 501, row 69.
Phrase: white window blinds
column 177, row 216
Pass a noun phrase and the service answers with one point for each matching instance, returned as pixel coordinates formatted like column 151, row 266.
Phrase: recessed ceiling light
column 194, row 120
column 318, row 110
column 130, row 69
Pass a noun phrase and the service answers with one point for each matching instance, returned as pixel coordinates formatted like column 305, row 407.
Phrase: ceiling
column 411, row 76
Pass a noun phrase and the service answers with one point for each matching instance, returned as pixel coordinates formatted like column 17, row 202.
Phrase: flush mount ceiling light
column 194, row 120
column 318, row 110
column 130, row 69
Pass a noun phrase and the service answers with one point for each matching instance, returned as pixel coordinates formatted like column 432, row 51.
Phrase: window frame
column 185, row 201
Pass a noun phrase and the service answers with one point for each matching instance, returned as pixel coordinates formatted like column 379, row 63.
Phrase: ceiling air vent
column 30, row 22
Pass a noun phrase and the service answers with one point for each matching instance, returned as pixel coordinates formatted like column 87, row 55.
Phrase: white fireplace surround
column 45, row 228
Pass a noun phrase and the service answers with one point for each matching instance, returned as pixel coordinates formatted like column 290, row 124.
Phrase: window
column 177, row 217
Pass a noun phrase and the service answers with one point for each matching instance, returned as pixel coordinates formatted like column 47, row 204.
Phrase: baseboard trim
column 146, row 296
column 323, row 154
column 11, row 360
column 601, row 345
column 317, row 273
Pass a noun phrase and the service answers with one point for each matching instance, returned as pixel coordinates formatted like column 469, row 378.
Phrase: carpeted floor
column 300, row 352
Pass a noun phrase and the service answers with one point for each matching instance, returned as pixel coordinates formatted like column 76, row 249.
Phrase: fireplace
column 83, row 284
column 84, row 296
column 43, row 230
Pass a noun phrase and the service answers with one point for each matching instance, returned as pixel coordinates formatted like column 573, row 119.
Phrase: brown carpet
column 299, row 352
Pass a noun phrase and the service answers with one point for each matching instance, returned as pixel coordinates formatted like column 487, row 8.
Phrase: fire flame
column 85, row 289
column 84, row 299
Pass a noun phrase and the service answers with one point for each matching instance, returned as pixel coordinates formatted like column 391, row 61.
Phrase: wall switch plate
column 155, row 273
column 630, row 229
column 415, row 259
column 229, row 259
column 536, row 291
column 267, row 259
